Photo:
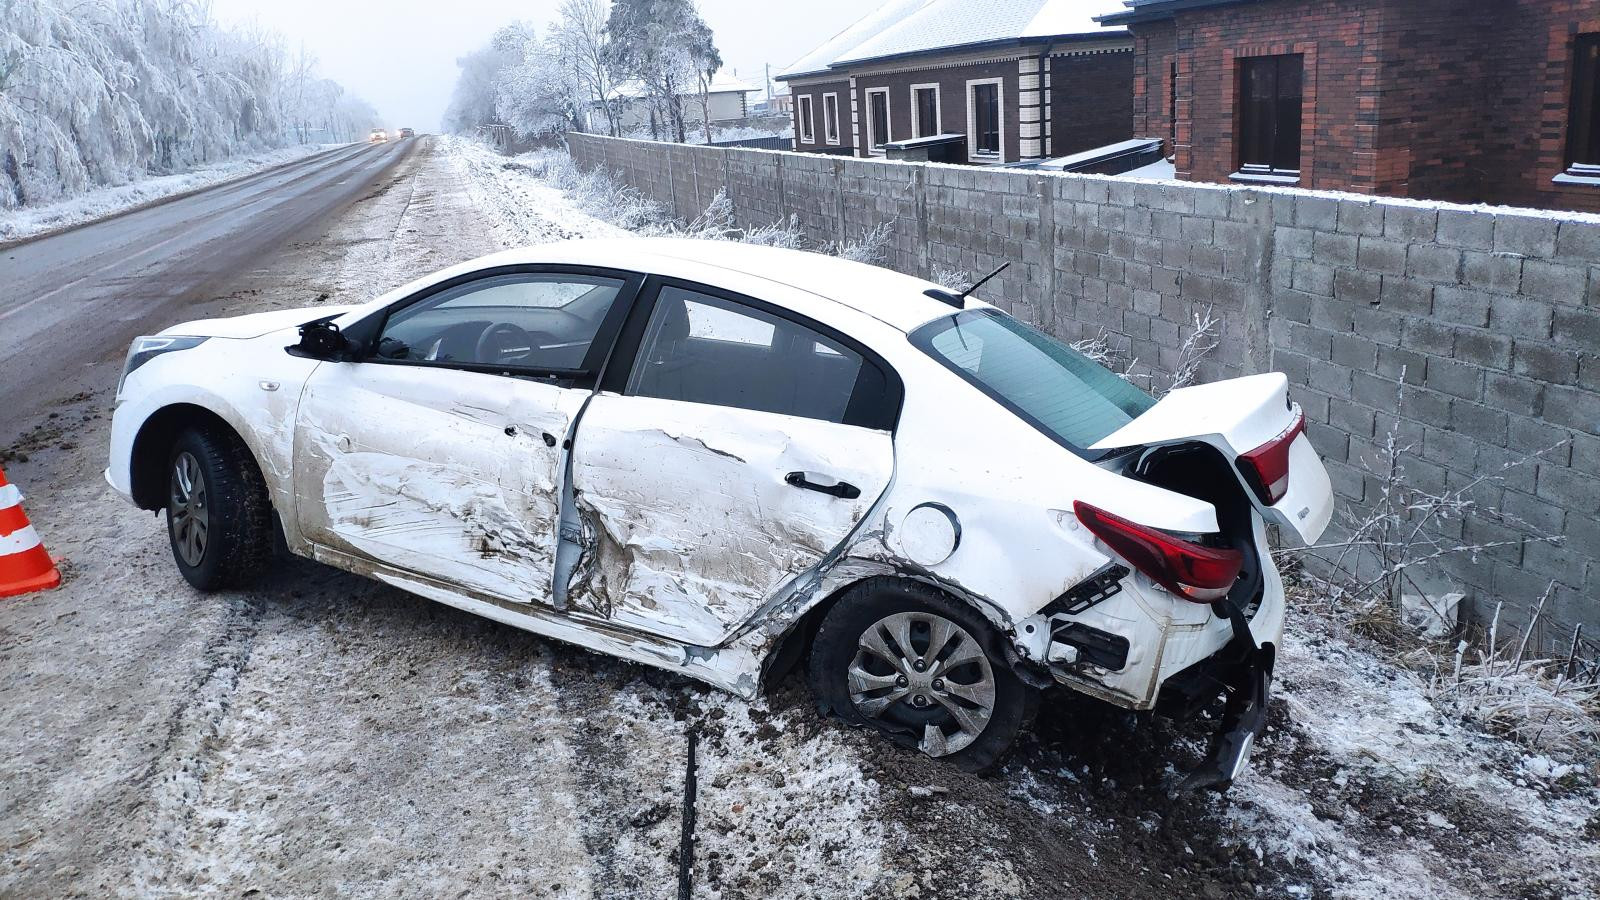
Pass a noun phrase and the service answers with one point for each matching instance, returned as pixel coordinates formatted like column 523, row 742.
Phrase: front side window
column 925, row 106
column 807, row 134
column 830, row 117
column 530, row 321
column 1269, row 115
column 1583, row 127
column 984, row 113
column 877, row 119
column 1070, row 398
column 699, row 348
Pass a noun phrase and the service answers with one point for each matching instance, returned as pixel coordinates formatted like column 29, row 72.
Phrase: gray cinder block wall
column 1478, row 330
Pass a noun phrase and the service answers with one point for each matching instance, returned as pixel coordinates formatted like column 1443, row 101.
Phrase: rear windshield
column 1068, row 396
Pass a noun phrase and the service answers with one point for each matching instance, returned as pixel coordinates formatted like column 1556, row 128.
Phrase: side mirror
column 322, row 339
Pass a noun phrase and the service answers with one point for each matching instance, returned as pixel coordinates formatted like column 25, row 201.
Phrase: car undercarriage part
column 1246, row 684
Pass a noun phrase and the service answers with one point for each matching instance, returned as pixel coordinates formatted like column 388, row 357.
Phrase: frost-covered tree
column 663, row 44
column 101, row 92
column 583, row 44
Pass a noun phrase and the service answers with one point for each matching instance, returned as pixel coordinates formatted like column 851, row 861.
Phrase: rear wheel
column 219, row 520
column 910, row 662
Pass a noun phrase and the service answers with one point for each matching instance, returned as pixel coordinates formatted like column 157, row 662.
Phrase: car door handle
column 843, row 490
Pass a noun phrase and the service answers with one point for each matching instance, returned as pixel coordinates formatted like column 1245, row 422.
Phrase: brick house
column 1494, row 101
column 1020, row 79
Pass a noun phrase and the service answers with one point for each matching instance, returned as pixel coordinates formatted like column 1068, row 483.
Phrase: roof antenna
column 959, row 301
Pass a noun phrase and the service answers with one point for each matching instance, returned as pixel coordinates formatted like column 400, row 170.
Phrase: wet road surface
column 75, row 299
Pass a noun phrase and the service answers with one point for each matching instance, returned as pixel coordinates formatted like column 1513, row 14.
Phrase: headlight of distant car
column 149, row 347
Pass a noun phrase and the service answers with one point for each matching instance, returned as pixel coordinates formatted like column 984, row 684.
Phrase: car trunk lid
column 1253, row 424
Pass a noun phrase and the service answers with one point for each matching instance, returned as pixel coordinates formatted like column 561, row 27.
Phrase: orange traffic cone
column 24, row 566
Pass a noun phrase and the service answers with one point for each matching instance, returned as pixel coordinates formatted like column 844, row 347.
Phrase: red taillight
column 1190, row 570
column 1266, row 467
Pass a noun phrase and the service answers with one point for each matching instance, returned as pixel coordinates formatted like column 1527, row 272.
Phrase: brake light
column 1266, row 467
column 1192, row 571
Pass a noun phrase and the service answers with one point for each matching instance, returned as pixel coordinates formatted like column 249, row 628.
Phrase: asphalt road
column 76, row 299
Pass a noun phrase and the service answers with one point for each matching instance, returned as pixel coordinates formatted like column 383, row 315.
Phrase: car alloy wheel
column 922, row 672
column 191, row 520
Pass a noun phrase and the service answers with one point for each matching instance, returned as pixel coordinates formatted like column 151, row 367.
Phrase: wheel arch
column 795, row 643
column 153, row 444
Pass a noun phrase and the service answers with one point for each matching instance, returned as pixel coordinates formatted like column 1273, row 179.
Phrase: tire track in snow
column 177, row 778
column 628, row 766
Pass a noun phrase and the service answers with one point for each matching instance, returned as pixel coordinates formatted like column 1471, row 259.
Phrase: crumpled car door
column 694, row 514
column 448, row 474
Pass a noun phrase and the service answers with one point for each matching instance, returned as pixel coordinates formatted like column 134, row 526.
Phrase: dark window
column 522, row 321
column 807, row 135
column 1583, row 129
column 1269, row 115
column 927, row 100
column 986, row 118
column 703, row 349
column 830, row 117
column 878, row 118
column 1172, row 110
column 1072, row 399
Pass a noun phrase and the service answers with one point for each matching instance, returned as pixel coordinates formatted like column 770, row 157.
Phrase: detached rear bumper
column 1242, row 672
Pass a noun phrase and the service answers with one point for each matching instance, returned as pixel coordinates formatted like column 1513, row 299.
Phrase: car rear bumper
column 1169, row 640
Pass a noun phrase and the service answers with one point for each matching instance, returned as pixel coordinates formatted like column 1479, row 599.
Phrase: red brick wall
column 1440, row 99
column 1155, row 48
column 1091, row 101
column 1527, row 135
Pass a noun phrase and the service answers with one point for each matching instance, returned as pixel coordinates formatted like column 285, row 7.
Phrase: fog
column 401, row 56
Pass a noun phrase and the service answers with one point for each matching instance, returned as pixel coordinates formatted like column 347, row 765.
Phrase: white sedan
column 721, row 459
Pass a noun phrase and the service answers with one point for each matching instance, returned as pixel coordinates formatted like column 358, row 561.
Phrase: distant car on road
column 379, row 136
column 720, row 459
column 406, row 133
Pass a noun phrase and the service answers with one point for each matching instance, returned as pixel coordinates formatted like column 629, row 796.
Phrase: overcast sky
column 401, row 55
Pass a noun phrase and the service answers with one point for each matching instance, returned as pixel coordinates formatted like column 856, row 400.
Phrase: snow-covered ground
column 324, row 734
column 31, row 221
column 1364, row 782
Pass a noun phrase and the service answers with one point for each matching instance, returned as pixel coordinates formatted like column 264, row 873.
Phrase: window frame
column 875, row 146
column 367, row 331
column 618, row 371
column 831, row 131
column 1268, row 172
column 916, row 110
column 973, row 153
column 804, row 113
column 1588, row 171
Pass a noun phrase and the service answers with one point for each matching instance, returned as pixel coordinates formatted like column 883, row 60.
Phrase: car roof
column 888, row 296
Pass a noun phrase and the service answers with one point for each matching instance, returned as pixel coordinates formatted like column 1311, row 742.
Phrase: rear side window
column 700, row 348
column 1071, row 398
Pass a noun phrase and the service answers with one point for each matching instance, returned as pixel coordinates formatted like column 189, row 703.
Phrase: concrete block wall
column 1476, row 330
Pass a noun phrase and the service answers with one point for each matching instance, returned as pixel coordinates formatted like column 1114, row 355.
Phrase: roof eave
column 1159, row 10
column 998, row 44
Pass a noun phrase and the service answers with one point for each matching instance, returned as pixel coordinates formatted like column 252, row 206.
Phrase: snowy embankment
column 33, row 221
column 1364, row 786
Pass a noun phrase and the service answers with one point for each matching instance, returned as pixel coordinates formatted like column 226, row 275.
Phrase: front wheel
column 219, row 520
column 910, row 662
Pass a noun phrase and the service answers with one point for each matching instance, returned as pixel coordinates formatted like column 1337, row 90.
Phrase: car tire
column 219, row 520
column 853, row 678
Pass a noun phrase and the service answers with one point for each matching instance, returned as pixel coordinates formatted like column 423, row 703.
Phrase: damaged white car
column 722, row 459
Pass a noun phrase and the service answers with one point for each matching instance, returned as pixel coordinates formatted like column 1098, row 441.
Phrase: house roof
column 1153, row 10
column 908, row 27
